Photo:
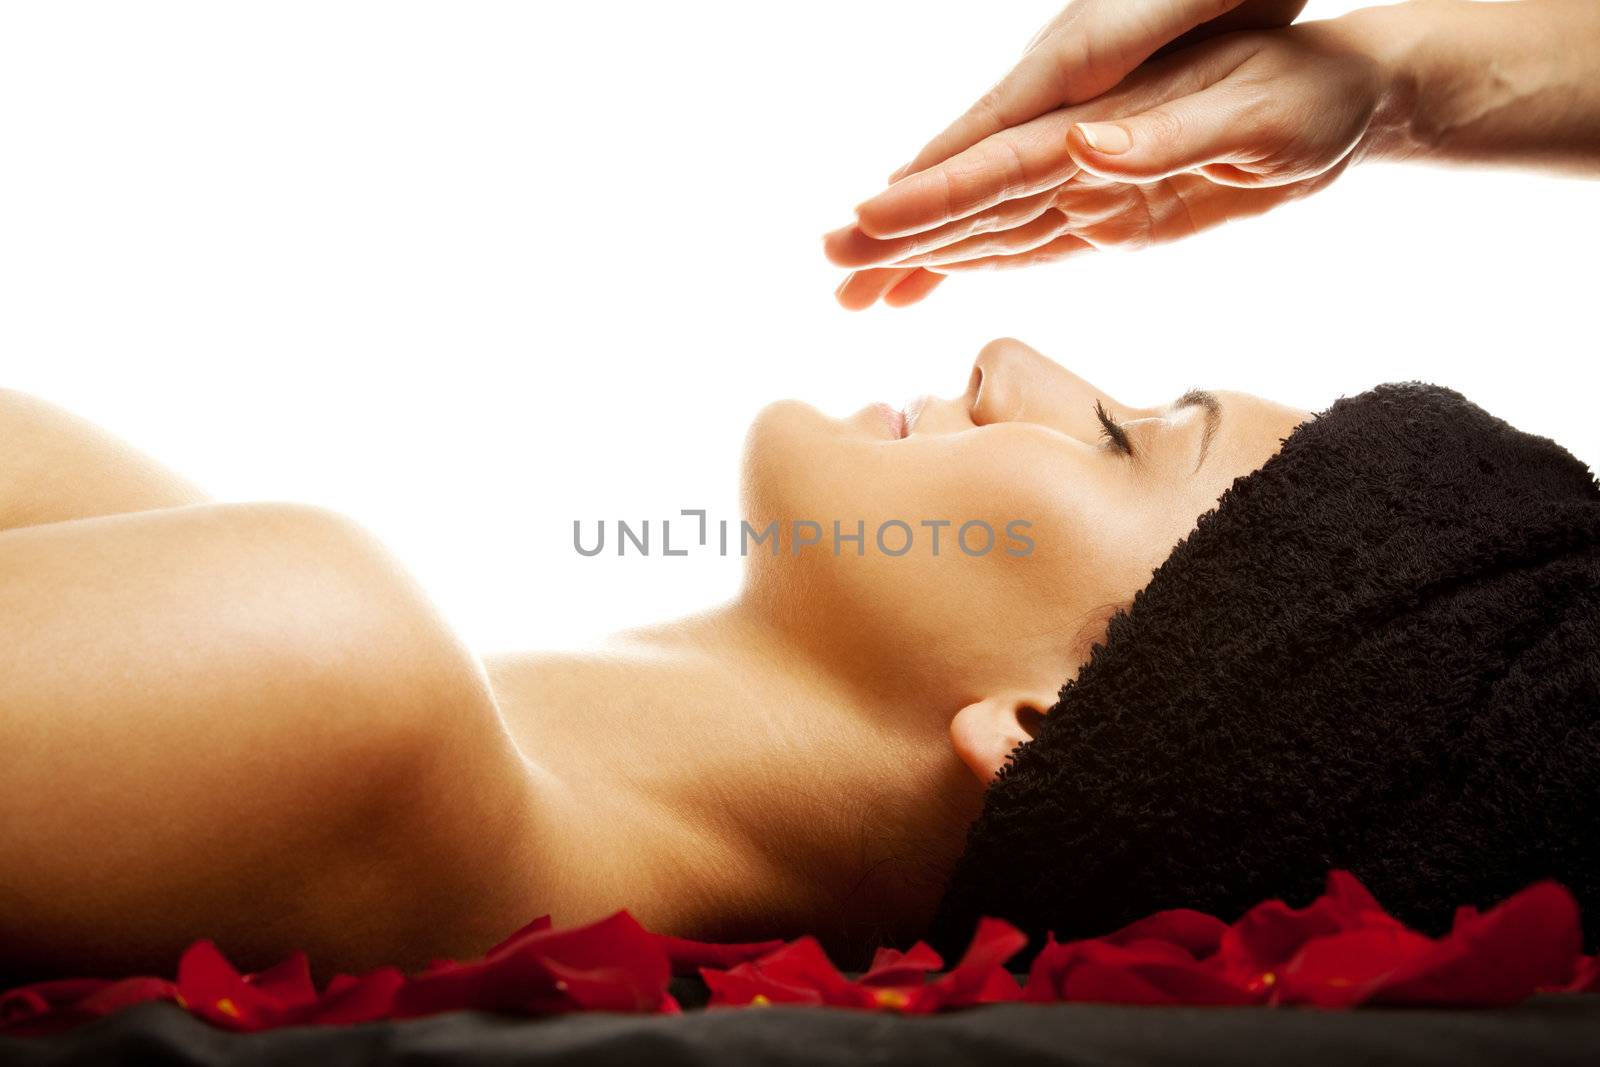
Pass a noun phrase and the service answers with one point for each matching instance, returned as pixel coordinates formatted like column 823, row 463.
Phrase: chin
column 798, row 464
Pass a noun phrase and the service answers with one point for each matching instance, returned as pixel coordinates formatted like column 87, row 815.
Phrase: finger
column 1025, row 238
column 1249, row 15
column 917, row 285
column 1068, row 244
column 849, row 246
column 863, row 288
column 1220, row 126
column 1028, row 158
column 1010, row 165
column 1087, row 49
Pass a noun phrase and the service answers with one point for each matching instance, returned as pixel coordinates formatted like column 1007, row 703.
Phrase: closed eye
column 1112, row 430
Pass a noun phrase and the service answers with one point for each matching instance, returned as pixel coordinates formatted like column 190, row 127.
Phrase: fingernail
column 901, row 173
column 1105, row 137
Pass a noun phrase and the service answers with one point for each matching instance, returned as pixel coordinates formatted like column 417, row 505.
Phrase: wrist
column 1476, row 82
column 1394, row 38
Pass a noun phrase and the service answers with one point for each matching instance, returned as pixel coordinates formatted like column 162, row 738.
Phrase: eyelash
column 1112, row 431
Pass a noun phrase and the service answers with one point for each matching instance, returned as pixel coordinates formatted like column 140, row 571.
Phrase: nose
column 1013, row 383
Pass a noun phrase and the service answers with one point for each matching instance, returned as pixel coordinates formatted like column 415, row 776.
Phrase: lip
column 894, row 419
column 912, row 413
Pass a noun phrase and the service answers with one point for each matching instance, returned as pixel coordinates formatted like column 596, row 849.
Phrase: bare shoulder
column 287, row 592
column 55, row 466
column 252, row 708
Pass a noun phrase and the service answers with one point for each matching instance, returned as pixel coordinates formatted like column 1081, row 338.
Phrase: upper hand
column 1085, row 51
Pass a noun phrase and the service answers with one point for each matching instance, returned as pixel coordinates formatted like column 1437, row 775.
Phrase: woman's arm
column 55, row 466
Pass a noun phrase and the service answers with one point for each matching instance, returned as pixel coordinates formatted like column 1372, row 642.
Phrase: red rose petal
column 357, row 1000
column 210, row 987
column 687, row 957
column 24, row 1012
column 619, row 988
column 1269, row 934
column 1144, row 972
column 890, row 967
column 57, row 992
column 1348, row 896
column 126, row 993
column 1096, row 983
column 288, row 982
column 803, row 965
column 1585, row 976
column 614, row 960
column 1195, row 932
column 744, row 985
column 537, row 926
column 999, row 987
column 1339, row 951
column 973, row 980
column 1532, row 941
column 1345, row 969
column 60, row 1004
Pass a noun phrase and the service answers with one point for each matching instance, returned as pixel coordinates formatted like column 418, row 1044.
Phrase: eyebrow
column 1202, row 399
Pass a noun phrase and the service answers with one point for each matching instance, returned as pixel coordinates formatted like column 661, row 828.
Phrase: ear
column 985, row 733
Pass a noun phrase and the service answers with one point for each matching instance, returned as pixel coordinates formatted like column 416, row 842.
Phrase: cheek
column 1058, row 535
column 1029, row 616
column 1099, row 529
column 1089, row 544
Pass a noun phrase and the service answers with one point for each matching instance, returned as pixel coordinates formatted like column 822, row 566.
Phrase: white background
column 471, row 271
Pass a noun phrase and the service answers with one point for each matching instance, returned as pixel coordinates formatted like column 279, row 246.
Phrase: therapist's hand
column 1084, row 51
column 1226, row 128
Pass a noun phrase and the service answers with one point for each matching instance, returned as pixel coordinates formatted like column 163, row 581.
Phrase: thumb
column 1214, row 126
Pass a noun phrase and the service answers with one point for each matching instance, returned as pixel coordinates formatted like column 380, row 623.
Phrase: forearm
column 1474, row 82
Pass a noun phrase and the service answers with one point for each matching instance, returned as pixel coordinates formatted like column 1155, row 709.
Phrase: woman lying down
column 1362, row 639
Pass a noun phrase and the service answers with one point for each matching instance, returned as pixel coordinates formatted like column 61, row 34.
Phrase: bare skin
column 245, row 722
column 1090, row 144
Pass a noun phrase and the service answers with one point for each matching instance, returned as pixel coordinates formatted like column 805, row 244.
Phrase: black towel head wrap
column 1380, row 652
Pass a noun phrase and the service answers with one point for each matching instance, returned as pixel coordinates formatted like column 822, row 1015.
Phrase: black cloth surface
column 1546, row 1030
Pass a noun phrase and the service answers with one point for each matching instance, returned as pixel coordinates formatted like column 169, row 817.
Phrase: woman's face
column 1001, row 528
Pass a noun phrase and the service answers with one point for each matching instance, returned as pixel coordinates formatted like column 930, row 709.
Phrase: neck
column 718, row 783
